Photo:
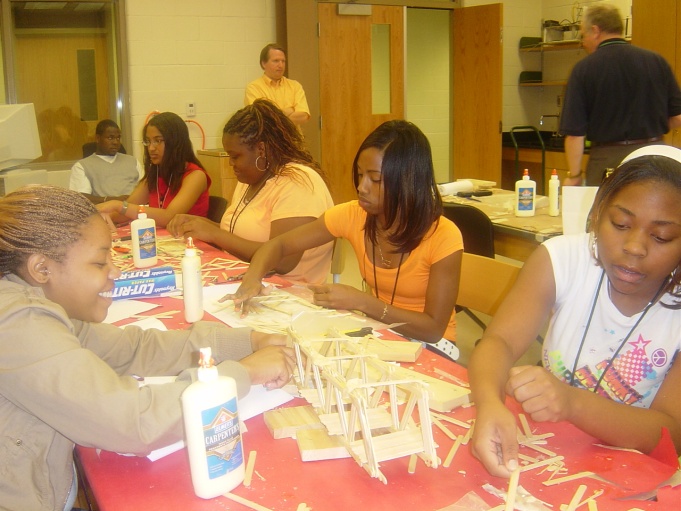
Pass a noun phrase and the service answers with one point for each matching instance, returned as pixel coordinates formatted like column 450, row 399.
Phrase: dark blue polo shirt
column 620, row 92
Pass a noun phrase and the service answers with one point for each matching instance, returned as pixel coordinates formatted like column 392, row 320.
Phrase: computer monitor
column 19, row 138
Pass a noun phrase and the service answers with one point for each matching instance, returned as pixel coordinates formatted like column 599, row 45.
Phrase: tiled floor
column 467, row 330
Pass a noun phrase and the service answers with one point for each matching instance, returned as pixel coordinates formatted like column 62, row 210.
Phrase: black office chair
column 90, row 147
column 475, row 226
column 216, row 208
column 478, row 238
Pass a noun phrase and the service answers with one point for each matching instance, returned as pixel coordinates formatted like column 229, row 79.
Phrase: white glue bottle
column 211, row 425
column 143, row 236
column 525, row 195
column 192, row 287
column 554, row 199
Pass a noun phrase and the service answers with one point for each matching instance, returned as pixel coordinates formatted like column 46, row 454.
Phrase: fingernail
column 512, row 465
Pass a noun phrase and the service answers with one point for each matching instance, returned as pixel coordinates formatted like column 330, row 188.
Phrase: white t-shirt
column 643, row 361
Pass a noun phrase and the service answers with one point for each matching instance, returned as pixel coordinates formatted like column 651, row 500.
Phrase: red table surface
column 281, row 481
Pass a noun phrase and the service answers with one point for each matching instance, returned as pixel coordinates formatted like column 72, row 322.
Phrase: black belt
column 628, row 142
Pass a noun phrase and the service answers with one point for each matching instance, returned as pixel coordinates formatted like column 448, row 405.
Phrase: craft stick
column 540, row 449
column 456, row 380
column 535, row 438
column 597, row 493
column 452, row 452
column 592, row 505
column 565, row 479
column 512, row 489
column 412, row 464
column 303, row 507
column 450, row 419
column 469, row 434
column 526, row 426
column 159, row 315
column 246, row 502
column 249, row 468
column 576, row 497
column 541, row 463
column 527, row 458
column 437, row 423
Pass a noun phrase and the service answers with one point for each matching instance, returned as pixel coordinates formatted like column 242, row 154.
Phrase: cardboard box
column 146, row 282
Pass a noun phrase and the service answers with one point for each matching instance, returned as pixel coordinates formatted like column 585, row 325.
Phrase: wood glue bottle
column 554, row 199
column 211, row 424
column 525, row 195
column 192, row 287
column 143, row 237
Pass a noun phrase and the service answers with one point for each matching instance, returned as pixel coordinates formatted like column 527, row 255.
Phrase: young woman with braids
column 174, row 181
column 280, row 187
column 613, row 301
column 65, row 377
column 408, row 254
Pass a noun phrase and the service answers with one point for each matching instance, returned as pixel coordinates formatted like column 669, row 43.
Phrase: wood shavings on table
column 524, row 501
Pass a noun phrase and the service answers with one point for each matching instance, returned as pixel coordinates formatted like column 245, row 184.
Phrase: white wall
column 524, row 105
column 427, row 103
column 204, row 51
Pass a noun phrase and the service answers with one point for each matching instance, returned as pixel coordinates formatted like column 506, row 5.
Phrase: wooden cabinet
column 216, row 163
column 657, row 26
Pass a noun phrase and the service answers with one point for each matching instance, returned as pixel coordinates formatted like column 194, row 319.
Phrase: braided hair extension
column 40, row 219
column 264, row 122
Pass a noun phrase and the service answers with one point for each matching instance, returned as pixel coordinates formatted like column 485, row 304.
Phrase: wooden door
column 476, row 92
column 48, row 77
column 657, row 27
column 345, row 87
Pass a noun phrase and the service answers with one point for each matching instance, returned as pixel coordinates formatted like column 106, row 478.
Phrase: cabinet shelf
column 550, row 83
column 573, row 44
column 536, row 45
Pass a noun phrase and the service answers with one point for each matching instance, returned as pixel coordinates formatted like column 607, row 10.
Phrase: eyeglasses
column 154, row 143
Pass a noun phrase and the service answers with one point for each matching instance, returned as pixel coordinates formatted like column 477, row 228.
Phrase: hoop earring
column 594, row 245
column 266, row 167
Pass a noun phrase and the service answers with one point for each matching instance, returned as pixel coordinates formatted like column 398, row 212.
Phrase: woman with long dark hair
column 174, row 181
column 409, row 254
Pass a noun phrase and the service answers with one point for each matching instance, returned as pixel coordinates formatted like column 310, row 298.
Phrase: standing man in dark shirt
column 620, row 97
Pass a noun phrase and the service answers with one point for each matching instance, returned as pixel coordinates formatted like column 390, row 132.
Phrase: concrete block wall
column 200, row 51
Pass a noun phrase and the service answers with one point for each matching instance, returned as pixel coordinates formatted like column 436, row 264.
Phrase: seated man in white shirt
column 106, row 174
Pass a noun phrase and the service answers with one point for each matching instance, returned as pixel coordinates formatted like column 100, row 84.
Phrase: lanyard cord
column 624, row 341
column 237, row 213
column 397, row 276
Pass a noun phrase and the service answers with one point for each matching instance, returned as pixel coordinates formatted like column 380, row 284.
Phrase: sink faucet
column 557, row 116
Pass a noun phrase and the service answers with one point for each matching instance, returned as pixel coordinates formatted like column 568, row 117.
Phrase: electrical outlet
column 191, row 109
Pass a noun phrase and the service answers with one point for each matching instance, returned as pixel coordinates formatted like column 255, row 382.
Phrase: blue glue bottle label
column 222, row 439
column 147, row 237
column 525, row 198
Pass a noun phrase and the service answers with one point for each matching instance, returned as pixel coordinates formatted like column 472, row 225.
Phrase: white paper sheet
column 122, row 309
